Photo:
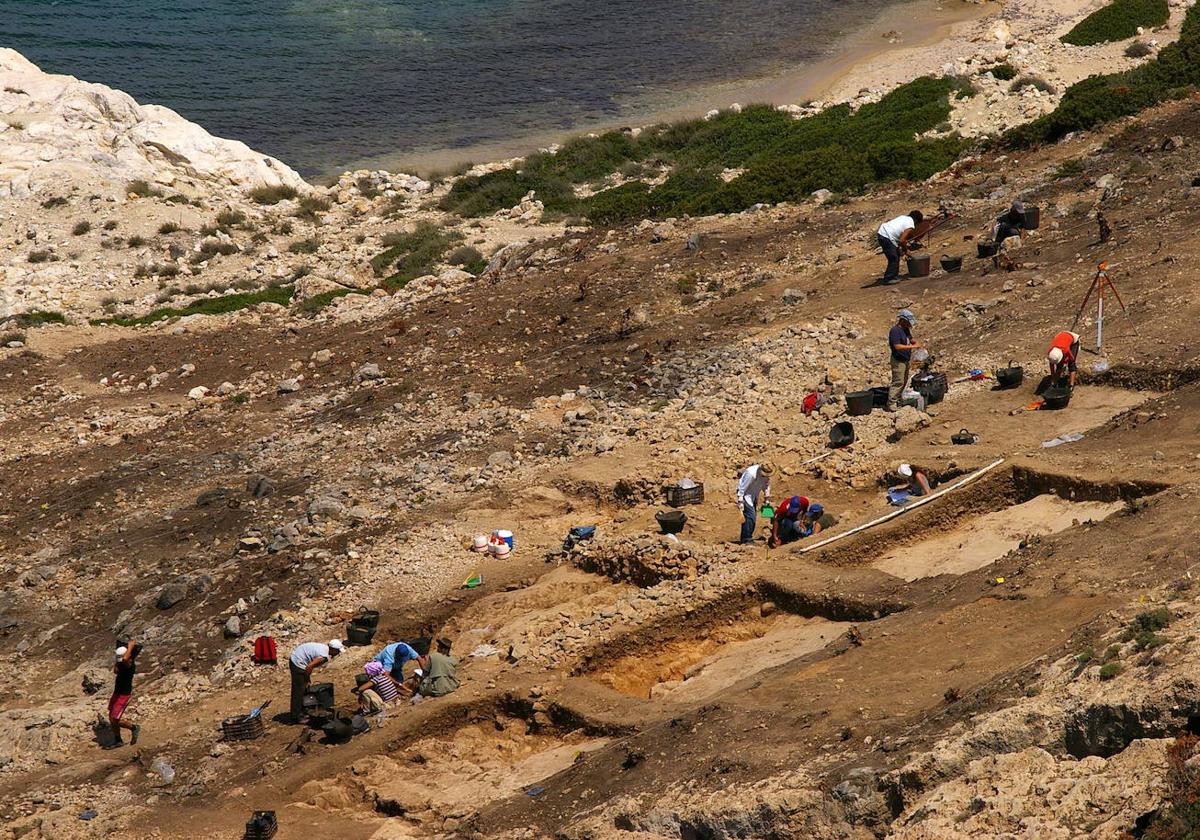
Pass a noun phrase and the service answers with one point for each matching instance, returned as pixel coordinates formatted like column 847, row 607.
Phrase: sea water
column 324, row 84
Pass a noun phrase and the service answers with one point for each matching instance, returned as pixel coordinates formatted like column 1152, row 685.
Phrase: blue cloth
column 394, row 656
column 899, row 498
column 893, row 258
column 749, row 520
column 898, row 335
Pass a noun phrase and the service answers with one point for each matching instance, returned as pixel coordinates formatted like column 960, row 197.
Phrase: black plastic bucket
column 1033, row 218
column 859, row 403
column 1057, row 397
column 950, row 264
column 1010, row 377
column 671, row 521
column 841, row 434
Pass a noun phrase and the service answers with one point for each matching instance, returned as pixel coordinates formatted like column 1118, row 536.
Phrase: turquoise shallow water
column 324, row 83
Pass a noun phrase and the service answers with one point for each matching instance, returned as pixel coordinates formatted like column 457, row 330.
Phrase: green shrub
column 304, row 246
column 272, row 195
column 1109, row 670
column 1099, row 99
column 468, row 259
column 81, row 227
column 177, row 198
column 1068, row 169
column 1138, row 49
column 142, row 189
column 230, row 219
column 36, row 318
column 1003, row 72
column 1146, row 640
column 311, row 206
column 409, row 255
column 209, row 306
column 1117, row 21
column 167, row 228
column 111, row 224
column 314, row 304
column 210, row 247
column 1152, row 620
column 1038, row 82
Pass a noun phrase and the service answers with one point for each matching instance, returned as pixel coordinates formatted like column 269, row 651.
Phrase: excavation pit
column 685, row 661
column 981, row 541
column 435, row 782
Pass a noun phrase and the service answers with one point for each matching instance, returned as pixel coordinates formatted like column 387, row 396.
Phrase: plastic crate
column 680, row 496
column 242, row 728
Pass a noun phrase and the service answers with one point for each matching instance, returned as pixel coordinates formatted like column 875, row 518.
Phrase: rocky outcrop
column 57, row 128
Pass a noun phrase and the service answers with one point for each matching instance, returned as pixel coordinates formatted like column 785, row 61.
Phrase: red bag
column 264, row 651
column 810, row 403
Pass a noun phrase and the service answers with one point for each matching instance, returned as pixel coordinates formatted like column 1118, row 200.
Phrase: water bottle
column 164, row 769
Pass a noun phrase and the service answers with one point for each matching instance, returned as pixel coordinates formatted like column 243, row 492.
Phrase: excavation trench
column 448, row 773
column 696, row 656
column 979, row 524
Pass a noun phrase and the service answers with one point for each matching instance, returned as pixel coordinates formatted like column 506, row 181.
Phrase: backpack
column 264, row 651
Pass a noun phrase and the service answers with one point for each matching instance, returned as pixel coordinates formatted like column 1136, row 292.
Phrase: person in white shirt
column 305, row 659
column 755, row 481
column 894, row 236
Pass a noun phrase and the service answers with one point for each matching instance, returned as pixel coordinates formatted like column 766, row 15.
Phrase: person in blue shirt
column 394, row 656
column 902, row 344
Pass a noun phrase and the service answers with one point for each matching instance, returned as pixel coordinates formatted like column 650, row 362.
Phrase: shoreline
column 919, row 24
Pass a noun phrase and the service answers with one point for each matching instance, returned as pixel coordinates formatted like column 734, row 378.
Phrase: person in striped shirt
column 375, row 689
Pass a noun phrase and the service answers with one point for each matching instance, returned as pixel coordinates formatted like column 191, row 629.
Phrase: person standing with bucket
column 902, row 345
column 894, row 237
column 754, row 481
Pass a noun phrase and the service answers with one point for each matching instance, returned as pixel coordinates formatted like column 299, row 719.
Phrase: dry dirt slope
column 666, row 362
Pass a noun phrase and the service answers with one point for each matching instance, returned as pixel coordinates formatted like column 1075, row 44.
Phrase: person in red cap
column 1062, row 356
column 785, row 527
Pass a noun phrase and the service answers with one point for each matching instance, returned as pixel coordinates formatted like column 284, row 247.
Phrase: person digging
column 124, row 668
column 1062, row 357
column 787, row 526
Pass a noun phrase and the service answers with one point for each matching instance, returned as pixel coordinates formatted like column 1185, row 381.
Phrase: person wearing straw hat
column 755, row 481
column 305, row 659
column 902, row 344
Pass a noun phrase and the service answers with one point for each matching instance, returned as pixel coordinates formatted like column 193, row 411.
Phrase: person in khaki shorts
column 902, row 344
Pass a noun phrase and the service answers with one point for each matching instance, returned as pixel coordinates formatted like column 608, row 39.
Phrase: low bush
column 1068, row 169
column 177, row 198
column 1003, row 72
column 314, row 304
column 209, row 306
column 410, row 254
column 111, row 224
column 36, row 318
column 1138, row 49
column 230, row 219
column 272, row 195
column 167, row 228
column 784, row 159
column 54, row 201
column 40, row 256
column 311, row 206
column 468, row 259
column 304, row 246
column 1152, row 620
column 1117, row 21
column 1111, row 670
column 1034, row 82
column 210, row 247
column 81, row 227
column 142, row 189
column 136, row 241
column 1172, row 74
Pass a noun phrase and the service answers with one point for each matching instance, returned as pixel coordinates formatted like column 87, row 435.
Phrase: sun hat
column 1055, row 355
column 766, row 469
column 906, row 470
column 336, row 644
column 1019, row 206
column 906, row 315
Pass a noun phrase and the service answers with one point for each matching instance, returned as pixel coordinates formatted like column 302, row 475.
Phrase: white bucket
column 498, row 547
column 507, row 536
column 480, row 545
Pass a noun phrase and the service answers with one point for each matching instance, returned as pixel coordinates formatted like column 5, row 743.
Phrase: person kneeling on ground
column 125, row 667
column 785, row 527
column 754, row 482
column 1062, row 356
column 436, row 676
column 393, row 657
column 894, row 236
column 1010, row 224
column 375, row 688
column 918, row 482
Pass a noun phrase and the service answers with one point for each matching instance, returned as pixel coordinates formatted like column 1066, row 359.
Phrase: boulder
column 171, row 594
